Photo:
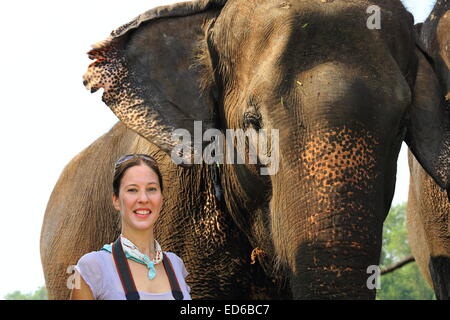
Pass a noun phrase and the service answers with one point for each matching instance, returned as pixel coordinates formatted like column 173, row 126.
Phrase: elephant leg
column 440, row 274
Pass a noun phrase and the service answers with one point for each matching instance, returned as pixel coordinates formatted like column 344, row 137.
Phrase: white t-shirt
column 99, row 271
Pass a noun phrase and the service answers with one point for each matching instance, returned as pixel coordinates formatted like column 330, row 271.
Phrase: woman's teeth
column 142, row 212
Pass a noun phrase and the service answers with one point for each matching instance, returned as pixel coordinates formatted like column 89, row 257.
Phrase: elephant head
column 341, row 95
column 428, row 210
column 432, row 149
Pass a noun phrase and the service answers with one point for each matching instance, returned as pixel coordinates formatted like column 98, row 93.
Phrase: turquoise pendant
column 151, row 271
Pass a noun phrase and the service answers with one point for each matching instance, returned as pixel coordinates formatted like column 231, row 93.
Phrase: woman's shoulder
column 173, row 257
column 177, row 263
column 94, row 258
column 181, row 272
column 93, row 267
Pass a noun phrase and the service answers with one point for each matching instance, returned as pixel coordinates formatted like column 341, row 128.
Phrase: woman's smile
column 142, row 212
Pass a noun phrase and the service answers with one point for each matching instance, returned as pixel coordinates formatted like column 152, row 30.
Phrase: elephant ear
column 149, row 74
column 428, row 127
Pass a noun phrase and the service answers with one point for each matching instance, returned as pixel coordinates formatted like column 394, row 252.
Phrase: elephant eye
column 252, row 116
column 252, row 119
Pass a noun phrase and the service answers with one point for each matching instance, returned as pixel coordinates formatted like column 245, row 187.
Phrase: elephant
column 428, row 209
column 337, row 94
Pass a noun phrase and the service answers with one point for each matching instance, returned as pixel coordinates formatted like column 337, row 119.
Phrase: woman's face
column 140, row 198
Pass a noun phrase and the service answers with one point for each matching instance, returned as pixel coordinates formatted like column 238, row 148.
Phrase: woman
column 134, row 267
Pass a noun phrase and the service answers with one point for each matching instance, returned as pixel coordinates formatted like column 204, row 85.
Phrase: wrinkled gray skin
column 428, row 212
column 343, row 98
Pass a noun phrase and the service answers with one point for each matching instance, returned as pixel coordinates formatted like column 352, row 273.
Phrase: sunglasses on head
column 132, row 156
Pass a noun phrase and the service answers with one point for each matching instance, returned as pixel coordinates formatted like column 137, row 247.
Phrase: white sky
column 48, row 116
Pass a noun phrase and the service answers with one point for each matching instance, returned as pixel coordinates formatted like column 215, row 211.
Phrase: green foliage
column 39, row 294
column 407, row 282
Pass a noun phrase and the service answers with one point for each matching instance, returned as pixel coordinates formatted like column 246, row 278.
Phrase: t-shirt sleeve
column 89, row 267
column 184, row 272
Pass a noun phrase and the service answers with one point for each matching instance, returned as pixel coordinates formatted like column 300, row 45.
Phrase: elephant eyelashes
column 252, row 119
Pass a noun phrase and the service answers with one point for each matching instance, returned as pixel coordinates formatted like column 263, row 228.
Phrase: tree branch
column 398, row 265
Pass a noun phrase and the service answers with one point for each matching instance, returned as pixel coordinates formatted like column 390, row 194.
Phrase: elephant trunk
column 338, row 259
column 328, row 227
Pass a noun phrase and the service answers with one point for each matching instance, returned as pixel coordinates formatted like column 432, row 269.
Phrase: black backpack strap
column 124, row 271
column 174, row 285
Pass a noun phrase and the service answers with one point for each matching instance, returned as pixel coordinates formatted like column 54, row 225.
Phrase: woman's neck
column 143, row 240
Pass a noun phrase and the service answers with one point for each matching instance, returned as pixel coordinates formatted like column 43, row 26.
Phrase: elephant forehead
column 278, row 38
column 241, row 20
